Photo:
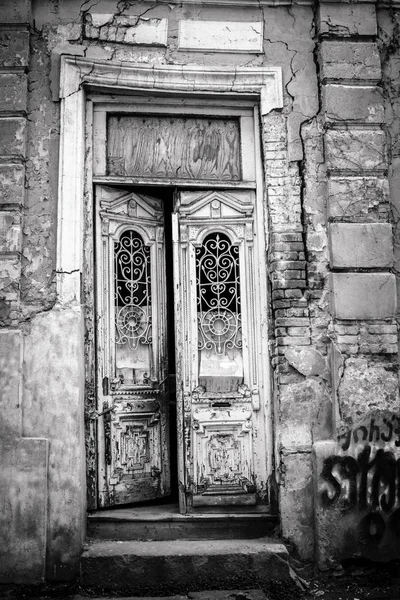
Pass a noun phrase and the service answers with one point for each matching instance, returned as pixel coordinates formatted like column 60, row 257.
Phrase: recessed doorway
column 176, row 318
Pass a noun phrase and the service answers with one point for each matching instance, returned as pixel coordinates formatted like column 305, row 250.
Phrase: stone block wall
column 363, row 298
column 363, row 302
column 334, row 308
column 14, row 59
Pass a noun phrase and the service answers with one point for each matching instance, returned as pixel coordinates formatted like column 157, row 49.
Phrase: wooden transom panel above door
column 173, row 147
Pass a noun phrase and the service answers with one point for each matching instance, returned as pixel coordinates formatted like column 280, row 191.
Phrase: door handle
column 95, row 415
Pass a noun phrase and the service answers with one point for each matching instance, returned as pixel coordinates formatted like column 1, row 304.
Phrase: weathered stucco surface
column 23, row 475
column 40, row 211
column 326, row 157
column 53, row 386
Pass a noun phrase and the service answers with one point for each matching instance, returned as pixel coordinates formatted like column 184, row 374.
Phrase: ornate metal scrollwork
column 132, row 290
column 218, row 294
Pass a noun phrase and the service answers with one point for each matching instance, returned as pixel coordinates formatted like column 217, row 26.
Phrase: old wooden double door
column 179, row 349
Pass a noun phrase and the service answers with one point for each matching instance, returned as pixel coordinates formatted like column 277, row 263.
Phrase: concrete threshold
column 177, row 564
column 166, row 523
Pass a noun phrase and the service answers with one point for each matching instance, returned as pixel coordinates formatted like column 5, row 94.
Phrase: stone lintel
column 259, row 81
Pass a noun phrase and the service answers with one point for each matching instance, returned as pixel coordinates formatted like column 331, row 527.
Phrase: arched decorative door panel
column 218, row 350
column 133, row 428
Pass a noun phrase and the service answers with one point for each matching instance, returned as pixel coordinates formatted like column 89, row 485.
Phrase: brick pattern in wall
column 287, row 264
column 291, row 335
column 363, row 295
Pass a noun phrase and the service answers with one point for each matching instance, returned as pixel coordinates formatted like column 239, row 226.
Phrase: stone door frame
column 80, row 76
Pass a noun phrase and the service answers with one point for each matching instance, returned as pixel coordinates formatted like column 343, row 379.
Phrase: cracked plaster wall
column 296, row 145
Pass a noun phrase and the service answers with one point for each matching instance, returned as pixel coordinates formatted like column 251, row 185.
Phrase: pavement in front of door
column 357, row 582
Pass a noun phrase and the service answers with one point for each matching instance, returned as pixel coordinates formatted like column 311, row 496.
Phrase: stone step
column 204, row 595
column 145, row 568
column 165, row 523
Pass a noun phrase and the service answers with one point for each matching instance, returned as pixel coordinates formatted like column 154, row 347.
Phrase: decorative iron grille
column 218, row 294
column 132, row 290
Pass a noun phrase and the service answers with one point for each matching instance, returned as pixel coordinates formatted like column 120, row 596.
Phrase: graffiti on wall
column 359, row 476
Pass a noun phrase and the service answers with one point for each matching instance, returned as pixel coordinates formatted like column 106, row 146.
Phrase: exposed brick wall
column 287, row 264
column 291, row 330
column 365, row 337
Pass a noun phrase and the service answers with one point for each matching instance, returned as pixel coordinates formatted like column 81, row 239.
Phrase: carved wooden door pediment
column 218, row 357
column 133, row 450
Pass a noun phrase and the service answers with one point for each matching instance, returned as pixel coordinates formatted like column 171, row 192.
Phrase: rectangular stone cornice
column 265, row 82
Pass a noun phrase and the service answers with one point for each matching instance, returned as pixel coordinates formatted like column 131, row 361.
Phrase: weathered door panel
column 218, row 351
column 133, row 426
